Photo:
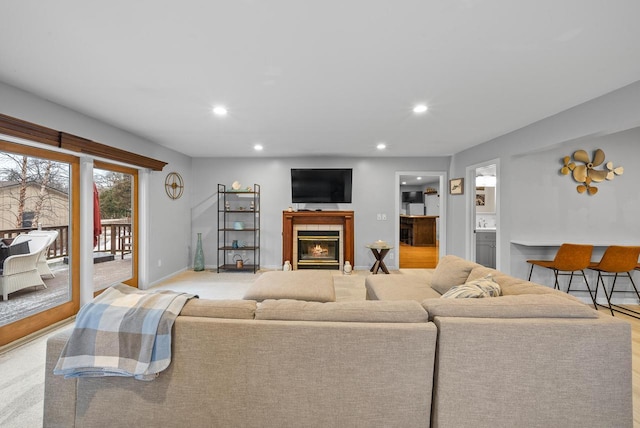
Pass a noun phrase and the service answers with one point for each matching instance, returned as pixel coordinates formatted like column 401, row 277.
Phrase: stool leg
column 530, row 272
column 607, row 295
column 634, row 285
column 570, row 279
column 556, row 286
column 593, row 299
column 595, row 295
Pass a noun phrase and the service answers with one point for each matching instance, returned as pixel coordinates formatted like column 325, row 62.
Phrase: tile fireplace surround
column 306, row 220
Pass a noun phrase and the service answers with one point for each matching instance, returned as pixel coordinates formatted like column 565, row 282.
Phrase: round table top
column 380, row 246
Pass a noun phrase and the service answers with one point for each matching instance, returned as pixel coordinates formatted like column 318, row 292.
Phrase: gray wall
column 537, row 202
column 169, row 227
column 374, row 191
column 529, row 161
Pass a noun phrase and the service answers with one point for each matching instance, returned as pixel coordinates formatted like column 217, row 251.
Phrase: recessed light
column 404, row 182
column 220, row 110
column 381, row 146
column 419, row 178
column 258, row 147
column 420, row 108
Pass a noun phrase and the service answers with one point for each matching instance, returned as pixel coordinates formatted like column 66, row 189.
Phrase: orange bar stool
column 569, row 259
column 617, row 260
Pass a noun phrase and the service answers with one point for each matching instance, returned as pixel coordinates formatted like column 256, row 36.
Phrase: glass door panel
column 38, row 199
column 115, row 225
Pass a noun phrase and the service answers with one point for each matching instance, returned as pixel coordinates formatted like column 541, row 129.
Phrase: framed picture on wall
column 456, row 186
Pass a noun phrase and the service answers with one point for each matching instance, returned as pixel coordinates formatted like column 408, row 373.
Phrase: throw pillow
column 451, row 271
column 19, row 248
column 485, row 287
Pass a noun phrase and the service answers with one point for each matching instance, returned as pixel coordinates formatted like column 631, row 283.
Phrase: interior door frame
column 442, row 191
column 470, row 201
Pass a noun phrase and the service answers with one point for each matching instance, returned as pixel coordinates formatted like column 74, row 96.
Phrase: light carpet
column 22, row 368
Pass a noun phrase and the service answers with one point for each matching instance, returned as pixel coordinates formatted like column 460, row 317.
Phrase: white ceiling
column 320, row 77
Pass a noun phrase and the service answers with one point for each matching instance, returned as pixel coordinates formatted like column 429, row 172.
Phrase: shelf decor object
column 586, row 173
column 238, row 228
column 456, row 186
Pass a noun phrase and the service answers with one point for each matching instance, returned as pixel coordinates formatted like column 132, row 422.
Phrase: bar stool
column 617, row 260
column 569, row 259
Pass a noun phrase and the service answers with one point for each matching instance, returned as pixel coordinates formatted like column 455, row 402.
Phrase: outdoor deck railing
column 113, row 239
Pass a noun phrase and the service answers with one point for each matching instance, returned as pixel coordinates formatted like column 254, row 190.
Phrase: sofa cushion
column 400, row 287
column 512, row 286
column 522, row 306
column 350, row 311
column 451, row 271
column 308, row 285
column 233, row 309
column 483, row 287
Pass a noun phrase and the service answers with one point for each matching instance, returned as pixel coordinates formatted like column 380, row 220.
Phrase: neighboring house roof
column 13, row 183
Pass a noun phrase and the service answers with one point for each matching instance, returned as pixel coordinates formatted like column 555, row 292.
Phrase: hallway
column 418, row 257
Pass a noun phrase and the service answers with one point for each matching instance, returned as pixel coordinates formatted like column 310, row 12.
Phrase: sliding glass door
column 39, row 195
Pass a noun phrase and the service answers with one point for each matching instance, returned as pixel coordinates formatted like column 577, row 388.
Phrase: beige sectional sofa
column 533, row 357
column 530, row 358
column 285, row 363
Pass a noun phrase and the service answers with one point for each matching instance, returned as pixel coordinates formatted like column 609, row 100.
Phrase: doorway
column 483, row 213
column 419, row 218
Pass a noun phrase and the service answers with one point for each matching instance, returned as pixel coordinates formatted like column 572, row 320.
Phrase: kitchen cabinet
column 418, row 230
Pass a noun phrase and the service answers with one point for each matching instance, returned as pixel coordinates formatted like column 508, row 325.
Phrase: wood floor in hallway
column 418, row 257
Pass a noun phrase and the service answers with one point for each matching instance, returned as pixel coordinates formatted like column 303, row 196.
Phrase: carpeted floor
column 22, row 368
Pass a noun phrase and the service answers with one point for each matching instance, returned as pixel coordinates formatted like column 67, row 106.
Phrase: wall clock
column 173, row 185
column 456, row 186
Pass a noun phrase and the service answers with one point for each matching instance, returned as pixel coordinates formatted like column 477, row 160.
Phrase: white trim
column 86, row 231
column 142, row 246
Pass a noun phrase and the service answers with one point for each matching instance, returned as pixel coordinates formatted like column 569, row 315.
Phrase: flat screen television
column 413, row 197
column 321, row 185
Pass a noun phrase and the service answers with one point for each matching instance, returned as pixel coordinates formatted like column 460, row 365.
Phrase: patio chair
column 43, row 266
column 21, row 270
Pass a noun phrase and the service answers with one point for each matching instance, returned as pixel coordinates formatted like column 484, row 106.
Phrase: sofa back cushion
column 512, row 286
column 233, row 309
column 391, row 311
column 522, row 306
column 451, row 271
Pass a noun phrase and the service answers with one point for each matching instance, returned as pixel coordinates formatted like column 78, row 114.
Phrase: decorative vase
column 198, row 261
column 347, row 268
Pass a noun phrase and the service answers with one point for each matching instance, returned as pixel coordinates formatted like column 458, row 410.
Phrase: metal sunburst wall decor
column 586, row 173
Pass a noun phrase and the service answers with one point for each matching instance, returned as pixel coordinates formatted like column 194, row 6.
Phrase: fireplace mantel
column 292, row 218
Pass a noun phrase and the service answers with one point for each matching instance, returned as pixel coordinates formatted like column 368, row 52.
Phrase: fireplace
column 318, row 249
column 333, row 221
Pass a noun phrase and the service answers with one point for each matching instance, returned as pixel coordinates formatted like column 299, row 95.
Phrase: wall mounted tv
column 413, row 197
column 321, row 185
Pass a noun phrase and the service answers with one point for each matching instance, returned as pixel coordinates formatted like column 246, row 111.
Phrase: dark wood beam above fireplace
column 292, row 218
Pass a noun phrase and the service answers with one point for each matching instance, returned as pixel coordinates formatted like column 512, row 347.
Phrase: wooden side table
column 379, row 252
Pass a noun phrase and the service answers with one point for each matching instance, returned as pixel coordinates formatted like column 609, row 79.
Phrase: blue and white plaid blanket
column 122, row 332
